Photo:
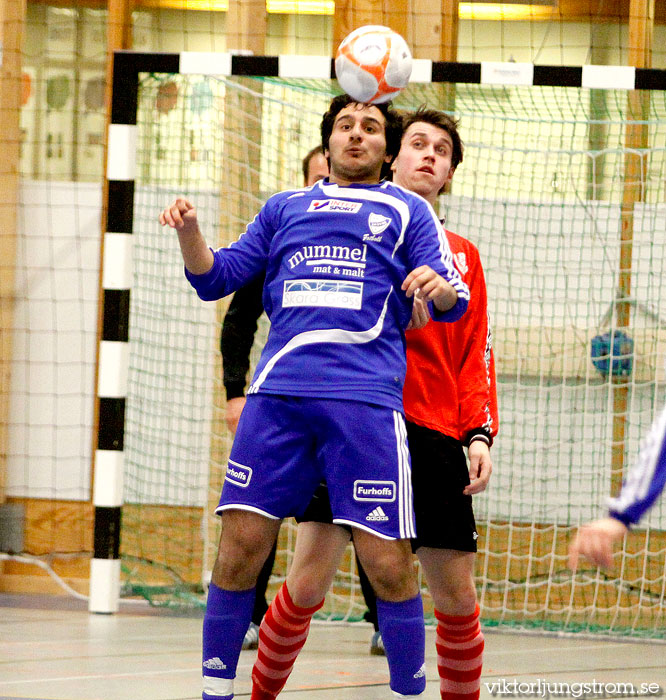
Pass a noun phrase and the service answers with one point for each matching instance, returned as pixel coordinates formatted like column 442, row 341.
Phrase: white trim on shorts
column 244, row 506
column 353, row 523
column 406, row 498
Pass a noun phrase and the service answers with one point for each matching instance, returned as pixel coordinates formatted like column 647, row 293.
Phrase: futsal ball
column 613, row 353
column 373, row 64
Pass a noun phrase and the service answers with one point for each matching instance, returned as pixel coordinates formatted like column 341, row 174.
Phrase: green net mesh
column 546, row 193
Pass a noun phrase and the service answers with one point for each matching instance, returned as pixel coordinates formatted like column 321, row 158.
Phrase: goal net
column 546, row 194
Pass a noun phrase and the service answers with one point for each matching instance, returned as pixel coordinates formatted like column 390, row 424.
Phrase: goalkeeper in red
column 343, row 260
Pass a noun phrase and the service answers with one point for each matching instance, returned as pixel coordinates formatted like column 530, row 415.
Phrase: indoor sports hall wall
column 539, row 192
column 64, row 64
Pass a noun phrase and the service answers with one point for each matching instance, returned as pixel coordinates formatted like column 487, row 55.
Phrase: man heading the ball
column 450, row 401
column 343, row 261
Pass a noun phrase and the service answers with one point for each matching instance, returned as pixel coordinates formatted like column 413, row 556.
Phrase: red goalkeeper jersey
column 450, row 384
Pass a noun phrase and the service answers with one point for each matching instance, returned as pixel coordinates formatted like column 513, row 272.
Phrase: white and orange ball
column 373, row 64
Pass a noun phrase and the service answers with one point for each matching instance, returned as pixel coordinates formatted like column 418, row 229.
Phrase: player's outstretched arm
column 426, row 284
column 182, row 216
column 595, row 542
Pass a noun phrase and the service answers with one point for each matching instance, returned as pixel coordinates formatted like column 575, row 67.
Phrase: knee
column 306, row 587
column 240, row 557
column 454, row 597
column 393, row 579
column 235, row 568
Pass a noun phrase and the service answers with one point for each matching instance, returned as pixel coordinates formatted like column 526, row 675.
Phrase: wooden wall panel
column 351, row 14
column 59, row 533
column 160, row 543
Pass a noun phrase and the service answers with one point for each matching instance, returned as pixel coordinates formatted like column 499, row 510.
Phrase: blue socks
column 403, row 633
column 228, row 615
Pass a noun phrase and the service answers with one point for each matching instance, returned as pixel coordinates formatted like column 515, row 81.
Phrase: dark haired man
column 343, row 260
column 450, row 401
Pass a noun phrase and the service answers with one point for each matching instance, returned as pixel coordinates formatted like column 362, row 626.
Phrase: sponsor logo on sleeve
column 383, row 491
column 336, row 205
column 238, row 474
column 335, row 294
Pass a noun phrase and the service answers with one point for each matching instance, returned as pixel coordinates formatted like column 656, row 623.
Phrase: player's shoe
column 377, row 645
column 251, row 639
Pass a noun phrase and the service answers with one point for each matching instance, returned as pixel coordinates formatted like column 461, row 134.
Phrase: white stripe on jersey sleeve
column 325, row 335
column 445, row 253
column 644, row 475
column 456, row 280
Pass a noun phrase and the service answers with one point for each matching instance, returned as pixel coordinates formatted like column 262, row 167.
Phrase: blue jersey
column 647, row 478
column 335, row 258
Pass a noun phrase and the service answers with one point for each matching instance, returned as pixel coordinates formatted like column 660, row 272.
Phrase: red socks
column 459, row 655
column 282, row 634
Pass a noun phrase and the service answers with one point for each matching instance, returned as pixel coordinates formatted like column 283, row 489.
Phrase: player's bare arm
column 426, row 284
column 480, row 467
column 595, row 542
column 182, row 216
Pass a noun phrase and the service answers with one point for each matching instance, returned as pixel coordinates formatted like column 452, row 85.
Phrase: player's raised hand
column 595, row 541
column 426, row 284
column 480, row 467
column 180, row 215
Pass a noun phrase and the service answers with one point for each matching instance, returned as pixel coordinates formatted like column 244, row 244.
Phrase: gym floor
column 51, row 648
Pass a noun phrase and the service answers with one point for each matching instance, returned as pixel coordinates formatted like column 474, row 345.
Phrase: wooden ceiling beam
column 607, row 11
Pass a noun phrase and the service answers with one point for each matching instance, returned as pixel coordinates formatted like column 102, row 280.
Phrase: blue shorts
column 444, row 514
column 285, row 446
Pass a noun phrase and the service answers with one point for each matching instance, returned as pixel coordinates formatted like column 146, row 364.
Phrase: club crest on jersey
column 378, row 223
column 337, row 205
column 460, row 260
column 238, row 474
column 383, row 491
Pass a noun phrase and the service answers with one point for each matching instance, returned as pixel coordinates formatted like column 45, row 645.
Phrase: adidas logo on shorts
column 215, row 663
column 377, row 515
